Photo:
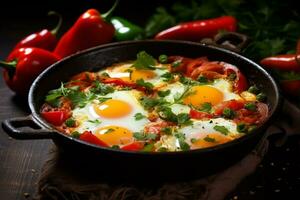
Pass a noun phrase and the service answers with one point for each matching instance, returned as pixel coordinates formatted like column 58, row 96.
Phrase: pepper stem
column 109, row 12
column 57, row 27
column 9, row 66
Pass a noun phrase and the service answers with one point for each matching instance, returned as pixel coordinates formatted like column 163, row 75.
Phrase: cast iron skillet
column 141, row 164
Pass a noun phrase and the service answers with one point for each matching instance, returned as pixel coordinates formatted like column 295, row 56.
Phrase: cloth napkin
column 58, row 181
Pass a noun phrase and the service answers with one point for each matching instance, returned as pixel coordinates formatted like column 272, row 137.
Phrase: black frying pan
column 141, row 164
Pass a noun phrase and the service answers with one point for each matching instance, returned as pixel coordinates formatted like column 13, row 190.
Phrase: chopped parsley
column 167, row 77
column 75, row 134
column 166, row 130
column 148, row 147
column 115, row 147
column 102, row 89
column 206, row 107
column 139, row 116
column 182, row 143
column 144, row 61
column 202, row 79
column 144, row 136
column 96, row 121
column 228, row 113
column 241, row 128
column 261, row 97
column 194, row 140
column 149, row 102
column 221, row 129
column 110, row 130
column 70, row 122
column 163, row 93
column 147, row 85
column 250, row 106
column 183, row 119
column 209, row 139
column 163, row 59
column 253, row 89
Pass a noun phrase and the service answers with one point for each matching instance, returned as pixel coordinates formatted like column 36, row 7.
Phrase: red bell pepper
column 89, row 30
column 282, row 62
column 57, row 117
column 135, row 146
column 196, row 30
column 24, row 65
column 44, row 39
column 88, row 136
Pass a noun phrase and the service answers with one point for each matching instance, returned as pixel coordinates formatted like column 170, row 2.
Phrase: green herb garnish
column 202, row 79
column 176, row 63
column 147, row 85
column 253, row 89
column 241, row 128
column 144, row 61
column 139, row 116
column 75, row 134
column 228, row 113
column 250, row 106
column 148, row 147
column 167, row 77
column 70, row 122
column 144, row 136
column 110, row 130
column 96, row 121
column 163, row 93
column 209, row 139
column 166, row 130
column 163, row 59
column 261, row 97
column 221, row 129
column 206, row 107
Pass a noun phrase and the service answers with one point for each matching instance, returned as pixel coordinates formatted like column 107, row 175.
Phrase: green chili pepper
column 126, row 30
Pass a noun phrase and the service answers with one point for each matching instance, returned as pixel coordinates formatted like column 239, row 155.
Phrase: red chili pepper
column 89, row 30
column 196, row 30
column 44, row 39
column 24, row 65
column 56, row 118
column 135, row 146
column 282, row 62
column 88, row 136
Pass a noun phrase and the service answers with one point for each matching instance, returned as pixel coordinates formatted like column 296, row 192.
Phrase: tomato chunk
column 135, row 146
column 88, row 136
column 56, row 117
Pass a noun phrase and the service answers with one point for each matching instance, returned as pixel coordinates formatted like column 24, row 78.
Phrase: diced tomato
column 135, row 146
column 194, row 64
column 155, row 127
column 214, row 68
column 88, row 136
column 56, row 117
column 194, row 114
column 232, row 104
column 240, row 83
column 183, row 63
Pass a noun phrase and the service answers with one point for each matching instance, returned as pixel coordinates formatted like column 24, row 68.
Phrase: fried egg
column 206, row 133
column 127, row 73
column 113, row 120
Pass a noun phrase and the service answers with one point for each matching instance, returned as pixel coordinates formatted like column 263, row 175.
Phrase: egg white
column 87, row 114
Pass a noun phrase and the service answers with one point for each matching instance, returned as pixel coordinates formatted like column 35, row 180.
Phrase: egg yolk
column 114, row 135
column 203, row 94
column 113, row 108
column 215, row 139
column 139, row 74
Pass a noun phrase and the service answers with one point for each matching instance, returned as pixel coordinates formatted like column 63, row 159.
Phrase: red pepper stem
column 8, row 65
column 109, row 12
column 57, row 27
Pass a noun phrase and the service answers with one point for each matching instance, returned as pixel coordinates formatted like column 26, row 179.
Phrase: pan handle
column 228, row 40
column 24, row 128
